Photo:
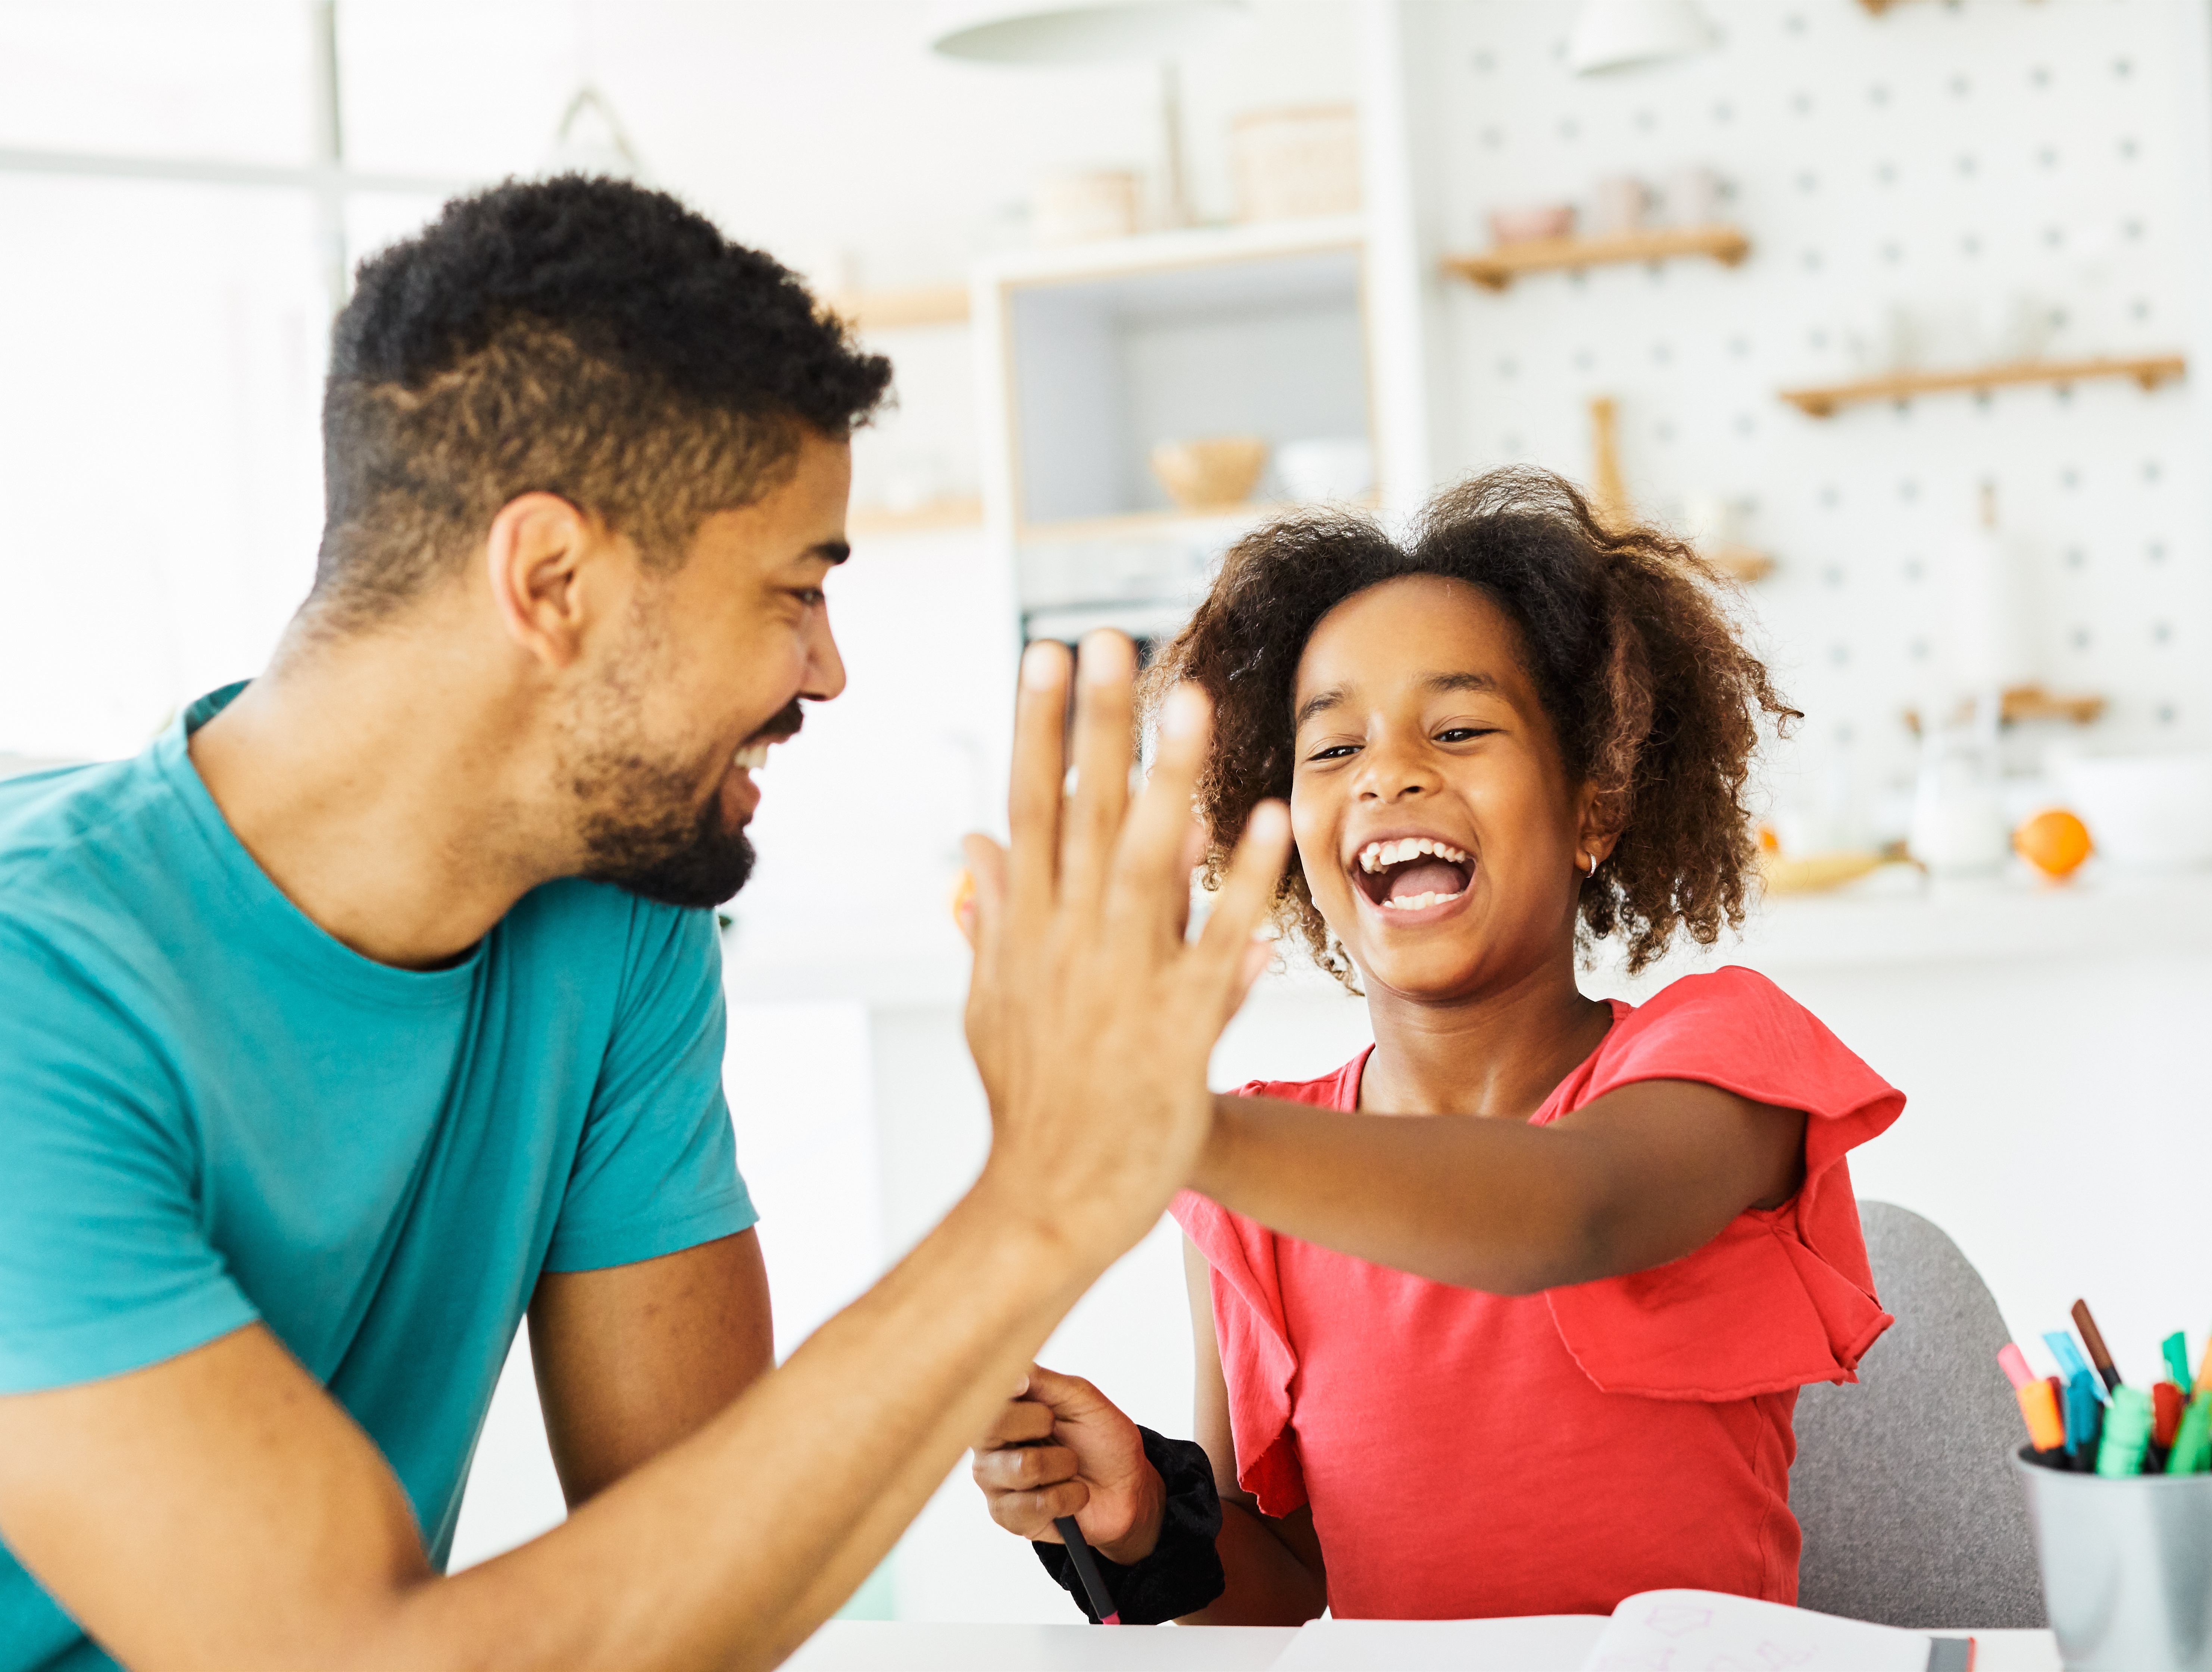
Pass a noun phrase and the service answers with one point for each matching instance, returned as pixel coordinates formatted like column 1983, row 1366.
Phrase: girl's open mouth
column 1412, row 873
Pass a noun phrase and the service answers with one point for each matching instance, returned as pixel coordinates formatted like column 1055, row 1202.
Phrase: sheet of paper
column 1702, row 1631
column 1535, row 1643
column 870, row 1646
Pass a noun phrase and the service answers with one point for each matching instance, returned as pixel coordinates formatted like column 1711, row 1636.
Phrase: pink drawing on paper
column 1674, row 1618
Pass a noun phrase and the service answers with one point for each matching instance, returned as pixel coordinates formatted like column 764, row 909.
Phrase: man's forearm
column 729, row 1549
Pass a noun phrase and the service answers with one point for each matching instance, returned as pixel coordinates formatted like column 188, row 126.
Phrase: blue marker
column 2071, row 1364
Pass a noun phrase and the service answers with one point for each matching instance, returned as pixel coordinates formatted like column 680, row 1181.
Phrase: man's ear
column 536, row 558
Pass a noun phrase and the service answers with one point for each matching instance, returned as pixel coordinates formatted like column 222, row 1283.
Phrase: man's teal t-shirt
column 212, row 1113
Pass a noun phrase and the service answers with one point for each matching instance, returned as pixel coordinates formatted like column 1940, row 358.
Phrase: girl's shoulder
column 1339, row 1089
column 1734, row 1028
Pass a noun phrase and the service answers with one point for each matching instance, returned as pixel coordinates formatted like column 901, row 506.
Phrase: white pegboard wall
column 1947, row 158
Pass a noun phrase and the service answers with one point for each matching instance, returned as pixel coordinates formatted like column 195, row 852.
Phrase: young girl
column 1509, row 1314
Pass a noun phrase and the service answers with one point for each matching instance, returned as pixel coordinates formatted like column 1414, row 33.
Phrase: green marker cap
column 2176, row 1348
column 2127, row 1432
column 2192, row 1444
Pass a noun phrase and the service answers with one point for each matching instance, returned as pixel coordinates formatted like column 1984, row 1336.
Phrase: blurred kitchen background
column 1898, row 309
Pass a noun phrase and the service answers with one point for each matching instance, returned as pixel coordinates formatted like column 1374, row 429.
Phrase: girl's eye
column 1462, row 734
column 808, row 596
column 1335, row 752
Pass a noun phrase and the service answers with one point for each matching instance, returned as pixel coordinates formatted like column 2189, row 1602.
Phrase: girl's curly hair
column 1624, row 634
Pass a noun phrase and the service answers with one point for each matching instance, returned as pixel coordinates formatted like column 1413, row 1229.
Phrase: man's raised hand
column 1090, row 1012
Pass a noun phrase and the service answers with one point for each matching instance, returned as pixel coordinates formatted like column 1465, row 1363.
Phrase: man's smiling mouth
column 1411, row 872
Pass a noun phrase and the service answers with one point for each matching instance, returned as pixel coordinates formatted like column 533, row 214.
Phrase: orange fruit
column 2055, row 843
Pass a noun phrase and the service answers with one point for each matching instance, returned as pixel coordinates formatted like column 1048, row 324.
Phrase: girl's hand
column 1059, row 1448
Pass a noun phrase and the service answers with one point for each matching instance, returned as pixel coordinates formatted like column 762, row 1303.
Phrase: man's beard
column 646, row 836
column 643, row 831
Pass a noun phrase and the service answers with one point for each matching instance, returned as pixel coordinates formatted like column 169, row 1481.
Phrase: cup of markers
column 2118, row 1478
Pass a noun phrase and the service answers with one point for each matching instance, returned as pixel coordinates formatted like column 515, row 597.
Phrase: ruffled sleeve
column 1783, row 1297
column 1257, row 1360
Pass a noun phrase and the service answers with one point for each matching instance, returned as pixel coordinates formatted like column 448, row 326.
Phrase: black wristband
column 1183, row 1573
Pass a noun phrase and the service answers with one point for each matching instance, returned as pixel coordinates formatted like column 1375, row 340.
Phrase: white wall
column 1947, row 159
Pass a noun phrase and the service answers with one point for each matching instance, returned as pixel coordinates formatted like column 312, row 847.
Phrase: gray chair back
column 1904, row 1483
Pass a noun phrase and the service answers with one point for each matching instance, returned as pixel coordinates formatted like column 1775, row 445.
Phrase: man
column 377, row 1004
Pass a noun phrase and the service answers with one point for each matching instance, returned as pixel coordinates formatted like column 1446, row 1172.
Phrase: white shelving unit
column 1089, row 354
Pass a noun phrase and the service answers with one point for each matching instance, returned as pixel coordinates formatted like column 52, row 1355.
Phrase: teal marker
column 2127, row 1432
column 2176, row 1349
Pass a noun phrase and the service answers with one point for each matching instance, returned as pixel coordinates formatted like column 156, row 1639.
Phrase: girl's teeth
column 1414, row 903
column 1381, row 855
column 753, row 757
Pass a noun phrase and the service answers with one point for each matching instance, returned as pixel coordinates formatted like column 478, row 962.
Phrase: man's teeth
column 752, row 757
column 1415, row 902
column 1381, row 855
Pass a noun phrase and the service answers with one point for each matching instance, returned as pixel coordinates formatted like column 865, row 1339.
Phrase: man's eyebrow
column 1319, row 702
column 832, row 552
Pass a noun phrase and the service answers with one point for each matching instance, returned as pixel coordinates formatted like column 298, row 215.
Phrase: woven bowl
column 1212, row 473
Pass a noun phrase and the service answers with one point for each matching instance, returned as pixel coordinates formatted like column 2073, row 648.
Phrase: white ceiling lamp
column 1077, row 31
column 1616, row 35
column 1088, row 31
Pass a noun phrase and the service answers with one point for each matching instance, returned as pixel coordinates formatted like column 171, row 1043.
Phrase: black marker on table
column 1086, row 1569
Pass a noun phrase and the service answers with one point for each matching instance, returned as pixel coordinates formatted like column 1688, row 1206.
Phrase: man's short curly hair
column 1623, row 631
column 583, row 337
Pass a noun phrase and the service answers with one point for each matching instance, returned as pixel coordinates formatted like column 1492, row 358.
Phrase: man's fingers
column 979, row 901
column 1151, row 876
column 1223, row 955
column 1105, row 716
column 1033, row 797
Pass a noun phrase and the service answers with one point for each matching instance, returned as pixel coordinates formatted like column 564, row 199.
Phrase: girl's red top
column 1469, row 1454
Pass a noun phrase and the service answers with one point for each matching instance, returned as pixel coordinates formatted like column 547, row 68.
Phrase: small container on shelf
column 1619, row 203
column 1211, row 474
column 1084, row 208
column 1531, row 223
column 1296, row 162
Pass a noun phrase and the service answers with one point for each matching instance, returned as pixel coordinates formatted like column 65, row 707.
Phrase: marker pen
column 2072, row 1366
column 2094, row 1341
column 2192, row 1445
column 2038, row 1406
column 1086, row 1569
column 2175, row 1347
column 2127, row 1434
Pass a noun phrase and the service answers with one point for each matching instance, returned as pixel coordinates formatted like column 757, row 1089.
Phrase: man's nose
column 825, row 668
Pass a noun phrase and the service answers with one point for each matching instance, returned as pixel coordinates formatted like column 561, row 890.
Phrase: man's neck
column 378, row 781
column 1497, row 1054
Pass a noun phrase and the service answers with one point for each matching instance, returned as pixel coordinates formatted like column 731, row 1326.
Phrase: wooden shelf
column 2149, row 371
column 1740, row 562
column 2017, row 704
column 940, row 513
column 1493, row 270
column 895, row 310
column 1174, row 521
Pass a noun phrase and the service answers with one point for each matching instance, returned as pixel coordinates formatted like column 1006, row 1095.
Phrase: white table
column 857, row 1645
